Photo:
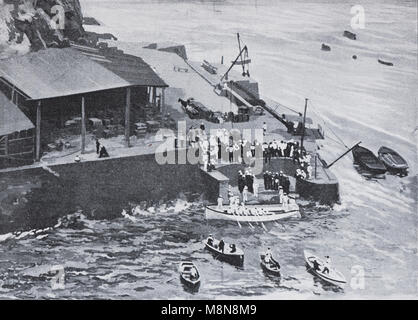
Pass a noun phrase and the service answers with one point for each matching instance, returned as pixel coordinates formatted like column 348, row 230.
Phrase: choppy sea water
column 374, row 227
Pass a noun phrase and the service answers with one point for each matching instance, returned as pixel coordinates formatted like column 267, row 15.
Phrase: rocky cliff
column 31, row 25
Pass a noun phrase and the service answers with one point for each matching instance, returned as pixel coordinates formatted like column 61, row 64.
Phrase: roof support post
column 6, row 145
column 13, row 94
column 83, row 125
column 154, row 96
column 163, row 101
column 127, row 116
column 38, row 131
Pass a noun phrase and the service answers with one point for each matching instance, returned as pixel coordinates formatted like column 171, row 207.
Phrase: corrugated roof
column 132, row 69
column 11, row 118
column 129, row 67
column 54, row 73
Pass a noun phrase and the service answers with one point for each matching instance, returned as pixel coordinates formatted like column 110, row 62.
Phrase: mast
column 233, row 63
column 239, row 47
column 303, row 124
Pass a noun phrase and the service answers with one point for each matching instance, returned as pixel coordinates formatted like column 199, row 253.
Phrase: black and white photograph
column 230, row 150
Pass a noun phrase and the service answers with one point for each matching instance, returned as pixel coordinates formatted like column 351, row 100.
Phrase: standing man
column 327, row 265
column 255, row 187
column 264, row 128
column 220, row 202
column 241, row 182
column 97, row 146
column 245, row 195
column 221, row 245
column 265, row 175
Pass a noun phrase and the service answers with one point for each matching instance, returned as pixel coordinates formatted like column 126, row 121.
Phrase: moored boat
column 230, row 254
column 272, row 268
column 333, row 277
column 368, row 161
column 253, row 213
column 189, row 275
column 386, row 63
column 393, row 161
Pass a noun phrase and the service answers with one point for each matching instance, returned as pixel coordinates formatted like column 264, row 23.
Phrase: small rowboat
column 368, row 161
column 272, row 268
column 189, row 275
column 393, row 161
column 228, row 255
column 385, row 62
column 334, row 277
column 253, row 213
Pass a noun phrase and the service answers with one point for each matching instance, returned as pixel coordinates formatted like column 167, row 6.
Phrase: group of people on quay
column 227, row 146
column 282, row 149
column 247, row 183
column 224, row 144
column 279, row 182
column 275, row 181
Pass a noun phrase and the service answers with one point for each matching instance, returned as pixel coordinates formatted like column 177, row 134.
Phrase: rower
column 268, row 256
column 220, row 202
column 230, row 196
column 193, row 274
column 327, row 265
column 315, row 265
column 233, row 248
column 285, row 200
column 281, row 194
column 210, row 240
column 221, row 245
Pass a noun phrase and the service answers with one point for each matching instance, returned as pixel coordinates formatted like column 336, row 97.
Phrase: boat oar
column 249, row 223
column 170, row 280
column 236, row 216
column 262, row 223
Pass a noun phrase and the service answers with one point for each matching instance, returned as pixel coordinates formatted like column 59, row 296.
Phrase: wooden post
column 154, row 96
column 316, row 157
column 38, row 131
column 163, row 101
column 127, row 116
column 83, row 125
column 6, row 145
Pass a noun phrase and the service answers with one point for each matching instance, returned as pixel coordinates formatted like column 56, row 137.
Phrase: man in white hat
column 220, row 202
column 285, row 201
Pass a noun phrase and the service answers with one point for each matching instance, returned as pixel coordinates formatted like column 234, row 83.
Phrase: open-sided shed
column 16, row 135
column 55, row 73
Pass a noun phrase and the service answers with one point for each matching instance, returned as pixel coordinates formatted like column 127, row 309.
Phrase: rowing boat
column 272, row 268
column 252, row 213
column 187, row 278
column 228, row 255
column 393, row 161
column 385, row 62
column 368, row 161
column 333, row 276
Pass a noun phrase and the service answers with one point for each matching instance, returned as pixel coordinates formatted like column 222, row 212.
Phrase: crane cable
column 340, row 140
